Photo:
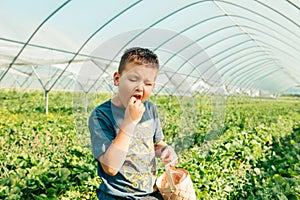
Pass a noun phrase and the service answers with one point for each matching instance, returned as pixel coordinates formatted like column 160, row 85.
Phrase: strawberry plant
column 254, row 156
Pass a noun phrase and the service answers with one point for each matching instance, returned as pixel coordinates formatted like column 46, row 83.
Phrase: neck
column 117, row 101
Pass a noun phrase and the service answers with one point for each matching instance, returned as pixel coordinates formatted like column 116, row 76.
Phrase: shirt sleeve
column 158, row 136
column 101, row 132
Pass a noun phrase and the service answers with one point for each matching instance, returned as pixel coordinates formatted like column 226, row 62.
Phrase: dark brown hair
column 138, row 55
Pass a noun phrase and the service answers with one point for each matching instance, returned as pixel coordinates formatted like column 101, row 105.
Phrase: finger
column 137, row 101
column 132, row 100
column 172, row 163
column 141, row 105
column 164, row 154
column 143, row 108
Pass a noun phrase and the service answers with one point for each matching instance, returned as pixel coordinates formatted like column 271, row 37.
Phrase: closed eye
column 149, row 84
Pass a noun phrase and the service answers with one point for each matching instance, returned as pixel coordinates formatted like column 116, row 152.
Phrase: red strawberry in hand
column 137, row 96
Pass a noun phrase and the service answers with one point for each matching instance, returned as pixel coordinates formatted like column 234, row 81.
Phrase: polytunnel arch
column 35, row 31
column 241, row 8
column 245, row 63
column 272, row 27
column 247, row 27
column 259, row 65
column 263, row 16
column 261, row 74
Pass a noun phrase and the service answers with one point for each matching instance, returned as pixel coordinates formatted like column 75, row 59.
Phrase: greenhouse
column 227, row 92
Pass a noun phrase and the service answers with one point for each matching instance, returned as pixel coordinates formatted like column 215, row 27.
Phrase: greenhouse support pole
column 86, row 103
column 47, row 102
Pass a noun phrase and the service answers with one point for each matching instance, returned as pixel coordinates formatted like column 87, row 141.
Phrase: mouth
column 137, row 96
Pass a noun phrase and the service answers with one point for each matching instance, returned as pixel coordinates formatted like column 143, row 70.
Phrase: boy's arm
column 113, row 158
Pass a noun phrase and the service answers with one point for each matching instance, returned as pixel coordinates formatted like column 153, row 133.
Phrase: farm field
column 256, row 156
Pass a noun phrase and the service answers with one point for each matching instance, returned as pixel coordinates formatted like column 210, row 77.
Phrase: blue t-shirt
column 138, row 174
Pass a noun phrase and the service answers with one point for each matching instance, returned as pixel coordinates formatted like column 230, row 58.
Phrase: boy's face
column 137, row 81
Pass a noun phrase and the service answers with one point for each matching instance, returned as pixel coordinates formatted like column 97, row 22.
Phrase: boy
column 126, row 134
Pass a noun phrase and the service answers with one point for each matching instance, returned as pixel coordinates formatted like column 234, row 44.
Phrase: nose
column 140, row 87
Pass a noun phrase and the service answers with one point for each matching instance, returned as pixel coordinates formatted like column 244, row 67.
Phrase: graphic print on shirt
column 139, row 167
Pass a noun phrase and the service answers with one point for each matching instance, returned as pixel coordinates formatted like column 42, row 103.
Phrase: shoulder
column 150, row 106
column 106, row 104
column 102, row 109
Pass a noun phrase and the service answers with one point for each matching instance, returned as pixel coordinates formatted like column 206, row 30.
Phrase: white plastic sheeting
column 218, row 46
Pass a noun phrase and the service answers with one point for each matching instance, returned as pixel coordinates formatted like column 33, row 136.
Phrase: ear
column 116, row 79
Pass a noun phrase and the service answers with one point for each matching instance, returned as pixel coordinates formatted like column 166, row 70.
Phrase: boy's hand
column 133, row 114
column 169, row 156
column 134, row 110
